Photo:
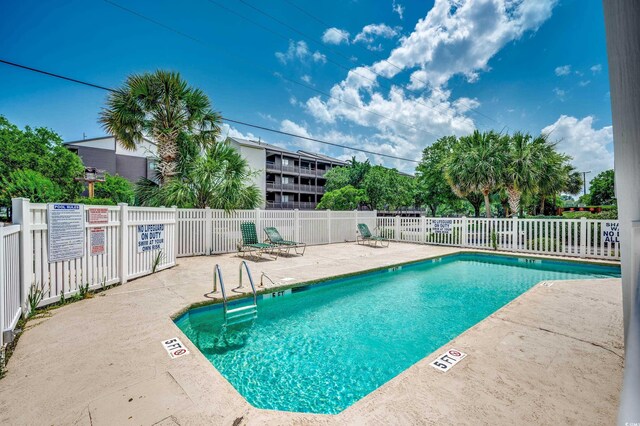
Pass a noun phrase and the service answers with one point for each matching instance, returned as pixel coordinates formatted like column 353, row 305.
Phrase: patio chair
column 365, row 236
column 274, row 237
column 250, row 244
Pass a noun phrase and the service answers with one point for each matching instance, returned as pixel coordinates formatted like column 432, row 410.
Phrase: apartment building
column 106, row 154
column 288, row 179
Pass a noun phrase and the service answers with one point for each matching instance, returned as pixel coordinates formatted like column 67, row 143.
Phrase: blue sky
column 418, row 70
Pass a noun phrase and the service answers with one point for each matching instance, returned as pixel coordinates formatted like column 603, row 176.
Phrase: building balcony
column 295, row 187
column 283, row 205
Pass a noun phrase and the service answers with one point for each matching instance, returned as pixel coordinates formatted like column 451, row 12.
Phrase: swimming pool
column 322, row 347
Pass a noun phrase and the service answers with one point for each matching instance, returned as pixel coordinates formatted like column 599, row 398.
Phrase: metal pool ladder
column 243, row 313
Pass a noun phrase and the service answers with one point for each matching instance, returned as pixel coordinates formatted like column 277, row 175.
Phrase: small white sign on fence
column 442, row 226
column 66, row 231
column 150, row 237
column 96, row 241
column 611, row 232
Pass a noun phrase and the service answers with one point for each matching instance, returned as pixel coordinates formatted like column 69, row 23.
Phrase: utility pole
column 584, row 181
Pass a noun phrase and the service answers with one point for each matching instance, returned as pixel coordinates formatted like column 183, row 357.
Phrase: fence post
column 423, row 229
column 355, row 228
column 396, row 228
column 21, row 215
column 465, row 232
column 124, row 243
column 208, row 231
column 515, row 237
column 583, row 237
column 175, row 236
column 296, row 225
column 258, row 222
column 329, row 225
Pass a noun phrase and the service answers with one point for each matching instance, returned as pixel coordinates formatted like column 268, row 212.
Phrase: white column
column 515, row 236
column 329, row 226
column 396, row 228
column 583, row 237
column 21, row 214
column 296, row 225
column 259, row 224
column 124, row 243
column 423, row 229
column 622, row 22
column 175, row 236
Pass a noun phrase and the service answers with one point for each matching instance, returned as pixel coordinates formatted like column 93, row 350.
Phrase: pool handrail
column 218, row 274
column 253, row 287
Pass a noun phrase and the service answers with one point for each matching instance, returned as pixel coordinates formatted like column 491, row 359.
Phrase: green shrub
column 28, row 184
column 115, row 188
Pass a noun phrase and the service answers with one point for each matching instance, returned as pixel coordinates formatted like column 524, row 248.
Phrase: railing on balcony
column 294, row 187
column 307, row 171
column 301, row 205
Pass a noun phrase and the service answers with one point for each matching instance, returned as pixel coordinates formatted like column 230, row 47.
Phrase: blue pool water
column 323, row 347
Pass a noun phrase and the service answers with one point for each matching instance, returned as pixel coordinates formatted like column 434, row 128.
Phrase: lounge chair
column 250, row 244
column 274, row 237
column 365, row 236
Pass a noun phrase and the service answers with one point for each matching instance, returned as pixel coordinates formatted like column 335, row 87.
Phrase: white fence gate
column 586, row 238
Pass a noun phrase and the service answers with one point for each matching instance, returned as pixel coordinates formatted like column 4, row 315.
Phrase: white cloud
column 460, row 36
column 335, row 35
column 584, row 83
column 306, row 78
column 563, row 70
column 398, row 8
column 371, row 31
column 560, row 94
column 591, row 148
column 299, row 50
column 319, row 57
column 457, row 37
column 596, row 68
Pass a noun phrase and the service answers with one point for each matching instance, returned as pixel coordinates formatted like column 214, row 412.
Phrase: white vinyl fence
column 586, row 238
column 10, row 291
column 207, row 231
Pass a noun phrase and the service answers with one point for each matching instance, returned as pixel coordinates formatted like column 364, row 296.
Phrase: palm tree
column 164, row 107
column 216, row 178
column 527, row 157
column 477, row 164
column 554, row 175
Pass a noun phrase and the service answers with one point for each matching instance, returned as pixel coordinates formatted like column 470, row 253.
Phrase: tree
column 602, row 189
column 380, row 186
column 432, row 186
column 345, row 198
column 160, row 105
column 216, row 178
column 476, row 164
column 523, row 166
column 353, row 174
column 115, row 188
column 28, row 184
column 40, row 150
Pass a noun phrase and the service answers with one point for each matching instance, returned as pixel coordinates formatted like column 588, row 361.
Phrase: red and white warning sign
column 96, row 240
column 98, row 215
column 175, row 348
column 447, row 360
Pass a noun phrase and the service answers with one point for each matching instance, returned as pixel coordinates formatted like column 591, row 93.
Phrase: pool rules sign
column 611, row 233
column 65, row 224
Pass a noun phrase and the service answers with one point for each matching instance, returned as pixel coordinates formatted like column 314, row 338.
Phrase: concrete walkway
column 552, row 356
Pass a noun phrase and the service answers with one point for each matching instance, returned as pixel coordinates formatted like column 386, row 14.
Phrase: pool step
column 244, row 308
column 239, row 319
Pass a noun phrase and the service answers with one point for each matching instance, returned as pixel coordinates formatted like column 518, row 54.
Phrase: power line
column 257, row 65
column 325, row 24
column 243, row 123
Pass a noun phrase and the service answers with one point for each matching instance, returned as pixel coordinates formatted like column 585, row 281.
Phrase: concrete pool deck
column 554, row 355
